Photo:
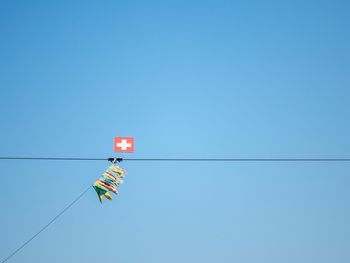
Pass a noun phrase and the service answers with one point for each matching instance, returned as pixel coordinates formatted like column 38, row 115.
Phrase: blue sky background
column 186, row 79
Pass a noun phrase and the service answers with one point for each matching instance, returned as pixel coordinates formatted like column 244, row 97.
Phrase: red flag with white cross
column 124, row 144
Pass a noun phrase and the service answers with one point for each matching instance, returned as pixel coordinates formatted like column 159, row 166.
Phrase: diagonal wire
column 46, row 226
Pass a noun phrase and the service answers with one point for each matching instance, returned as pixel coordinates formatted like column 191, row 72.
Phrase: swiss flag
column 124, row 144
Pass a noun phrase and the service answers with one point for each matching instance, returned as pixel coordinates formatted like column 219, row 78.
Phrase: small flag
column 124, row 144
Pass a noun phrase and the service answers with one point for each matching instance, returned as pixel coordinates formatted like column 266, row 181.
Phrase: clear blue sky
column 186, row 79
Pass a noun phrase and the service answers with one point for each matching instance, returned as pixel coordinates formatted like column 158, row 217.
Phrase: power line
column 54, row 158
column 46, row 226
column 242, row 159
column 181, row 159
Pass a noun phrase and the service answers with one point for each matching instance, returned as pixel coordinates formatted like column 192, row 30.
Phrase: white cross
column 124, row 144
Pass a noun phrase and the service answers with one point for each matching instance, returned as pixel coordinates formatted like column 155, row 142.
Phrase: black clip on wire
column 114, row 160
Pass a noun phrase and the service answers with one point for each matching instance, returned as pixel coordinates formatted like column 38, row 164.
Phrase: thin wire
column 242, row 159
column 46, row 226
column 183, row 159
column 53, row 158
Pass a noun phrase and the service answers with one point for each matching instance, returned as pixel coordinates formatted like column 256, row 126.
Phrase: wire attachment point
column 115, row 160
